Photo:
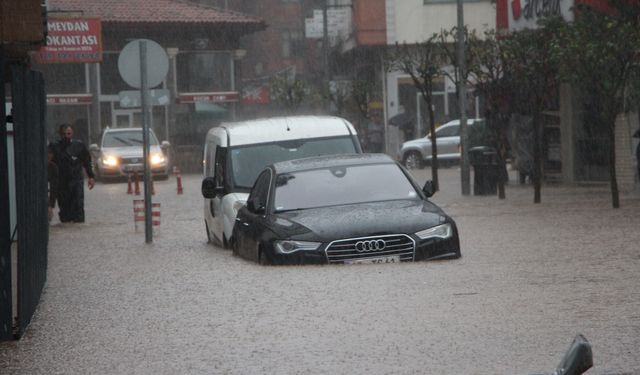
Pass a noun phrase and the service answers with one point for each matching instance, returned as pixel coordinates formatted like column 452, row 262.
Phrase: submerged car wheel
column 413, row 160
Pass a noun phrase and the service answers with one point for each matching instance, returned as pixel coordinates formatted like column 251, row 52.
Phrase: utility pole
column 465, row 175
column 325, row 50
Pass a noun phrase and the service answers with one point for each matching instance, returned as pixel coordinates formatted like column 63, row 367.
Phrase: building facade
column 575, row 150
column 202, row 44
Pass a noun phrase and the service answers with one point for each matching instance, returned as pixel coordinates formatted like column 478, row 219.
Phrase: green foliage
column 289, row 91
column 422, row 62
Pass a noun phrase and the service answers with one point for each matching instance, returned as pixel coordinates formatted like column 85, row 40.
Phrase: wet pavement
column 531, row 278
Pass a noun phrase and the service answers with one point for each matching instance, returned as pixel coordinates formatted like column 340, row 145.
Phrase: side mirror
column 429, row 189
column 165, row 144
column 255, row 207
column 578, row 359
column 210, row 189
column 94, row 147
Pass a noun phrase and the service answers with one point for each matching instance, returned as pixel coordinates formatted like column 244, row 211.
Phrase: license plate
column 133, row 168
column 388, row 259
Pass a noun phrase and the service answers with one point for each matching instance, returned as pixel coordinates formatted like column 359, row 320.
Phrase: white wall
column 413, row 21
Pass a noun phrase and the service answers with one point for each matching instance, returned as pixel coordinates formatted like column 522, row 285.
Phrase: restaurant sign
column 72, row 40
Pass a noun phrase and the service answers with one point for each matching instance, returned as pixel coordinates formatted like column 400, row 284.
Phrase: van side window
column 220, row 161
column 210, row 159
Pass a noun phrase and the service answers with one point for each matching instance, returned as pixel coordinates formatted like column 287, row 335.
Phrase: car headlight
column 157, row 158
column 110, row 161
column 289, row 246
column 439, row 231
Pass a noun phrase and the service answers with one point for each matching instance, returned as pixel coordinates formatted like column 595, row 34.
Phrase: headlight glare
column 439, row 231
column 289, row 246
column 110, row 161
column 157, row 159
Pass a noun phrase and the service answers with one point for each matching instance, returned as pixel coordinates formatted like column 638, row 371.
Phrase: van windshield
column 248, row 161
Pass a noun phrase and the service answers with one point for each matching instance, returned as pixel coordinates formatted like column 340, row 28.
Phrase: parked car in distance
column 417, row 152
column 235, row 153
column 345, row 209
column 121, row 152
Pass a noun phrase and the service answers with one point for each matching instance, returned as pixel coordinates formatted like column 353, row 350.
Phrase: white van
column 235, row 153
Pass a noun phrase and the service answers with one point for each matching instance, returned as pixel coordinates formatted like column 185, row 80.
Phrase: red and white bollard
column 179, row 183
column 138, row 215
column 136, row 182
column 129, row 187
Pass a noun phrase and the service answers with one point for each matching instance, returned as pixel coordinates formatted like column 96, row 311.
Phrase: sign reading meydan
column 524, row 14
column 72, row 40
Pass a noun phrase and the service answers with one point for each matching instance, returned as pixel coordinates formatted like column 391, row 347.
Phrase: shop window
column 204, row 71
column 111, row 83
column 292, row 44
column 64, row 78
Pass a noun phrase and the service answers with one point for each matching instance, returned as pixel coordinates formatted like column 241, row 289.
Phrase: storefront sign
column 255, row 95
column 72, row 40
column 526, row 13
column 213, row 97
column 71, row 99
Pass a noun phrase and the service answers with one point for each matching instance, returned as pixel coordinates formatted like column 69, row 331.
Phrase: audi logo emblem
column 370, row 245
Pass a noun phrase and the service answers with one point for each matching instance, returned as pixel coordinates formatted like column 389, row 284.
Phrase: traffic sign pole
column 144, row 95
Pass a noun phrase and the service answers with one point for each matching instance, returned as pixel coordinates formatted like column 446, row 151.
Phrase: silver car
column 120, row 154
column 417, row 152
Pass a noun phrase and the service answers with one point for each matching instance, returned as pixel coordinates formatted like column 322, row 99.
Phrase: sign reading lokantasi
column 72, row 40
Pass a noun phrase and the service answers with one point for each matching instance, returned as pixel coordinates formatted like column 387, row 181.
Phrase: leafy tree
column 289, row 91
column 422, row 62
column 599, row 54
column 488, row 70
column 531, row 65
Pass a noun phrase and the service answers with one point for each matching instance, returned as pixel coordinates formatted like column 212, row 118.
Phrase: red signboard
column 212, row 97
column 72, row 40
column 255, row 95
column 70, row 99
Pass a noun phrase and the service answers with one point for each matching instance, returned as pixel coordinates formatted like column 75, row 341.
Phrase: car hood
column 358, row 220
column 129, row 152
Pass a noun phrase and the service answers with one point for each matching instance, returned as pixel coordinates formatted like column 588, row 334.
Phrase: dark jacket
column 52, row 177
column 71, row 157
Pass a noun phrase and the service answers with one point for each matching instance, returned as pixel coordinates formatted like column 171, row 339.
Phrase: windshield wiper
column 290, row 209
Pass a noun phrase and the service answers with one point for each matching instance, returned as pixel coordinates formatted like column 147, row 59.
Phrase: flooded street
column 530, row 278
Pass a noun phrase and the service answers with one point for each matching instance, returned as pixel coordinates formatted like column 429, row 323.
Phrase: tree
column 422, row 62
column 288, row 90
column 531, row 65
column 488, row 70
column 599, row 55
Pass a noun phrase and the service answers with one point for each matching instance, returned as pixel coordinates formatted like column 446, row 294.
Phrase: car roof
column 284, row 128
column 457, row 122
column 330, row 161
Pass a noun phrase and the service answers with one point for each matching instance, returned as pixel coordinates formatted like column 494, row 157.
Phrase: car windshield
column 248, row 161
column 341, row 185
column 127, row 139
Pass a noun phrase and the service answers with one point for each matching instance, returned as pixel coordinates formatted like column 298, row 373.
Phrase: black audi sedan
column 344, row 209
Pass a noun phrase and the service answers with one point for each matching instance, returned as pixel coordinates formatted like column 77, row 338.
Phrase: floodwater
column 531, row 277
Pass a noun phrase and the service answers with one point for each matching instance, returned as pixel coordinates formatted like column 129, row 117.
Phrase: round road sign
column 129, row 63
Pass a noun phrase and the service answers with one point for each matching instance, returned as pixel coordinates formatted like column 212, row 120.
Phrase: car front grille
column 354, row 249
